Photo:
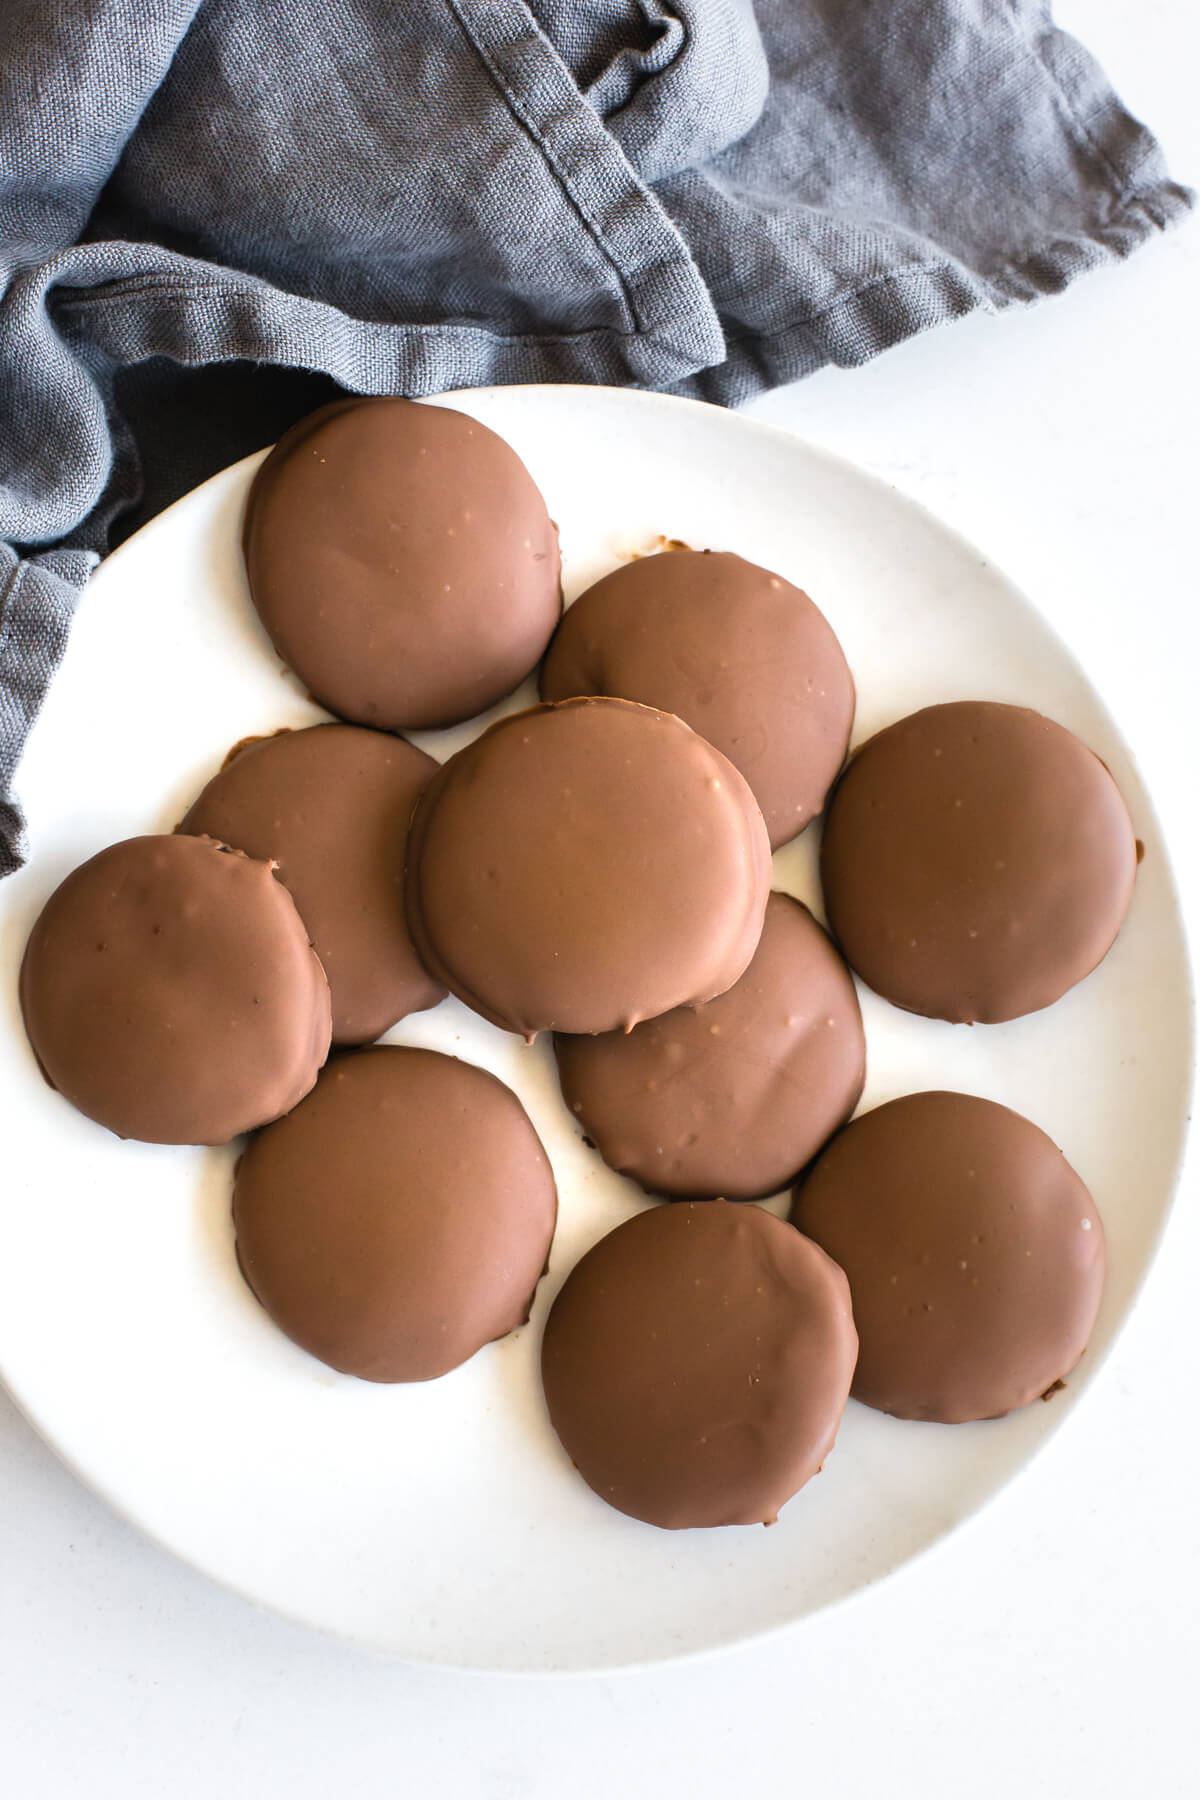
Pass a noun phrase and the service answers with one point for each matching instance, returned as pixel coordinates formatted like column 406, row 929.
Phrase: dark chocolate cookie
column 696, row 1364
column 977, row 862
column 330, row 806
column 740, row 654
column 975, row 1254
column 400, row 1218
column 170, row 992
column 734, row 1097
column 583, row 866
column 402, row 562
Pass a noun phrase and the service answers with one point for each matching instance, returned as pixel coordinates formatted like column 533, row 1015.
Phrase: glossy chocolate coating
column 977, row 862
column 731, row 1098
column 402, row 562
column 975, row 1254
column 330, row 807
column 740, row 654
column 400, row 1218
column 696, row 1364
column 170, row 992
column 583, row 866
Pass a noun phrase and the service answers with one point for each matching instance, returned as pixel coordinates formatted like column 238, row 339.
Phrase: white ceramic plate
column 443, row 1522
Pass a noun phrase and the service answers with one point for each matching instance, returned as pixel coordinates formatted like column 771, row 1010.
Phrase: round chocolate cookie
column 731, row 1098
column 977, row 862
column 696, row 1364
column 400, row 1218
column 170, row 992
column 740, row 654
column 402, row 562
column 330, row 807
column 975, row 1255
column 583, row 866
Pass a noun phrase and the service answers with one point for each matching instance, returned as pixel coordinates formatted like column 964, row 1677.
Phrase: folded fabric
column 215, row 213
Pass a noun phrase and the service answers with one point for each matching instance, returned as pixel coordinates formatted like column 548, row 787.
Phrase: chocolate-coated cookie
column 586, row 865
column 696, row 1364
column 977, row 861
column 330, row 807
column 738, row 652
column 400, row 1218
column 734, row 1097
column 975, row 1254
column 170, row 992
column 402, row 562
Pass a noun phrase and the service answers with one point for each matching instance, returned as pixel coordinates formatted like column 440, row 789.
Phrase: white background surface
column 1052, row 1649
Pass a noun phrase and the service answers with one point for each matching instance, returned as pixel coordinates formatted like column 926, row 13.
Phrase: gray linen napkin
column 215, row 214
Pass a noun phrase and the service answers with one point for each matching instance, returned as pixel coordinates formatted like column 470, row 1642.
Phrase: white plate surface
column 443, row 1522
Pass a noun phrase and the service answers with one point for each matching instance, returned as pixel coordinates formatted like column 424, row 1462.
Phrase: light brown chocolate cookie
column 974, row 1252
column 977, row 862
column 402, row 562
column 696, row 1364
column 330, row 807
column 583, row 866
column 734, row 1097
column 400, row 1218
column 170, row 992
column 737, row 652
